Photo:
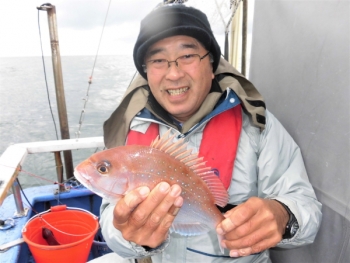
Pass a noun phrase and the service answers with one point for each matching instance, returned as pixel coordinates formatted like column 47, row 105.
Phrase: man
column 185, row 85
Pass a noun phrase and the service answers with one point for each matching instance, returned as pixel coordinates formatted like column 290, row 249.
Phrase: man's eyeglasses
column 160, row 66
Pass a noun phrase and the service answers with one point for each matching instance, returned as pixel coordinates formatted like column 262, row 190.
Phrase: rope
column 41, row 218
column 77, row 186
column 82, row 114
column 29, row 203
column 47, row 89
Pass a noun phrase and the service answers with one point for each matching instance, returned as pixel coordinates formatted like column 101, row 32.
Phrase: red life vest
column 219, row 142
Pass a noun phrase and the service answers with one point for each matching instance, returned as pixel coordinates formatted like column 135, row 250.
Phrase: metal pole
column 244, row 36
column 18, row 199
column 59, row 170
column 60, row 97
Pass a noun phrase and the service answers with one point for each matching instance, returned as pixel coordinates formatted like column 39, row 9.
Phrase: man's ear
column 211, row 58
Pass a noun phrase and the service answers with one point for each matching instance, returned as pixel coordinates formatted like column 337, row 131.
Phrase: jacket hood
column 136, row 96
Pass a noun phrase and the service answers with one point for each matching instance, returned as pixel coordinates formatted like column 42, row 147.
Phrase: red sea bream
column 113, row 173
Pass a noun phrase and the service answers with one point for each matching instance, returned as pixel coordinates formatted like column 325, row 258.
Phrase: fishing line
column 82, row 114
column 33, row 209
column 66, row 233
column 74, row 187
column 20, row 186
column 99, row 43
column 133, row 77
column 47, row 89
column 36, row 212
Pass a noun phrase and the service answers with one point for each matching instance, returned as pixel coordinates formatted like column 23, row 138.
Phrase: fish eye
column 103, row 167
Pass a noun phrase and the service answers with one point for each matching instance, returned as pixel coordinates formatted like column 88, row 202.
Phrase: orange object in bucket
column 73, row 228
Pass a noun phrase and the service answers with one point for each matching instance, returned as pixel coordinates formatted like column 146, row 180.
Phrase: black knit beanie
column 172, row 20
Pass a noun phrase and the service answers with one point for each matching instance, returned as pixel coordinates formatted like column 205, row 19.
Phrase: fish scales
column 113, row 173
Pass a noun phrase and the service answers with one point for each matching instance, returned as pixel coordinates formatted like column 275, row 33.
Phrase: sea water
column 25, row 114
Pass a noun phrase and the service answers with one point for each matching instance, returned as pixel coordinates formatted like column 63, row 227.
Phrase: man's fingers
column 134, row 199
column 253, row 243
column 174, row 209
column 172, row 199
column 141, row 205
column 147, row 208
column 145, row 216
column 170, row 213
column 239, row 216
column 164, row 212
column 237, row 242
column 234, row 219
column 256, row 248
column 126, row 205
column 252, row 227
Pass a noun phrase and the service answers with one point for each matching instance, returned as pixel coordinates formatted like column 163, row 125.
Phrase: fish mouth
column 82, row 177
column 179, row 91
column 86, row 180
column 82, row 171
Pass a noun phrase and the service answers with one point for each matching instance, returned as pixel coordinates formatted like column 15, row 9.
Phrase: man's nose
column 174, row 71
column 174, row 61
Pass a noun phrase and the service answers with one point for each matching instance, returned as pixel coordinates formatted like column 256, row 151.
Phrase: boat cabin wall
column 300, row 63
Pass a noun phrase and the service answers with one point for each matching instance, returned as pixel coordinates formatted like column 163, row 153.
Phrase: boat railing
column 14, row 156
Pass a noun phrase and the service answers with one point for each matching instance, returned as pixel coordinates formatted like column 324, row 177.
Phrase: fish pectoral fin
column 220, row 239
column 190, row 229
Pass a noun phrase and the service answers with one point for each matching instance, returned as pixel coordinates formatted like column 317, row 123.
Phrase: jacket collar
column 137, row 97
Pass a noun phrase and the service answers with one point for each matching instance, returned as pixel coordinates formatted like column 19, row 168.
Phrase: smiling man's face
column 180, row 90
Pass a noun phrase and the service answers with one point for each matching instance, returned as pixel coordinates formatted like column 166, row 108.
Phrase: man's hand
column 144, row 217
column 253, row 226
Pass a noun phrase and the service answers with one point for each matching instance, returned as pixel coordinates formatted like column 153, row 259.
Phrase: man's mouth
column 174, row 92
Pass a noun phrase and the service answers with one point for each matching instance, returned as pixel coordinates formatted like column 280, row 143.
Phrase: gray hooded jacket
column 268, row 165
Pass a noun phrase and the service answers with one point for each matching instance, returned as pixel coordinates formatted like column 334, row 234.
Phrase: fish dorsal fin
column 180, row 152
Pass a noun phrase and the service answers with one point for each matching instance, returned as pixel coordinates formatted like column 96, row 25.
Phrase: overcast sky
column 79, row 26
